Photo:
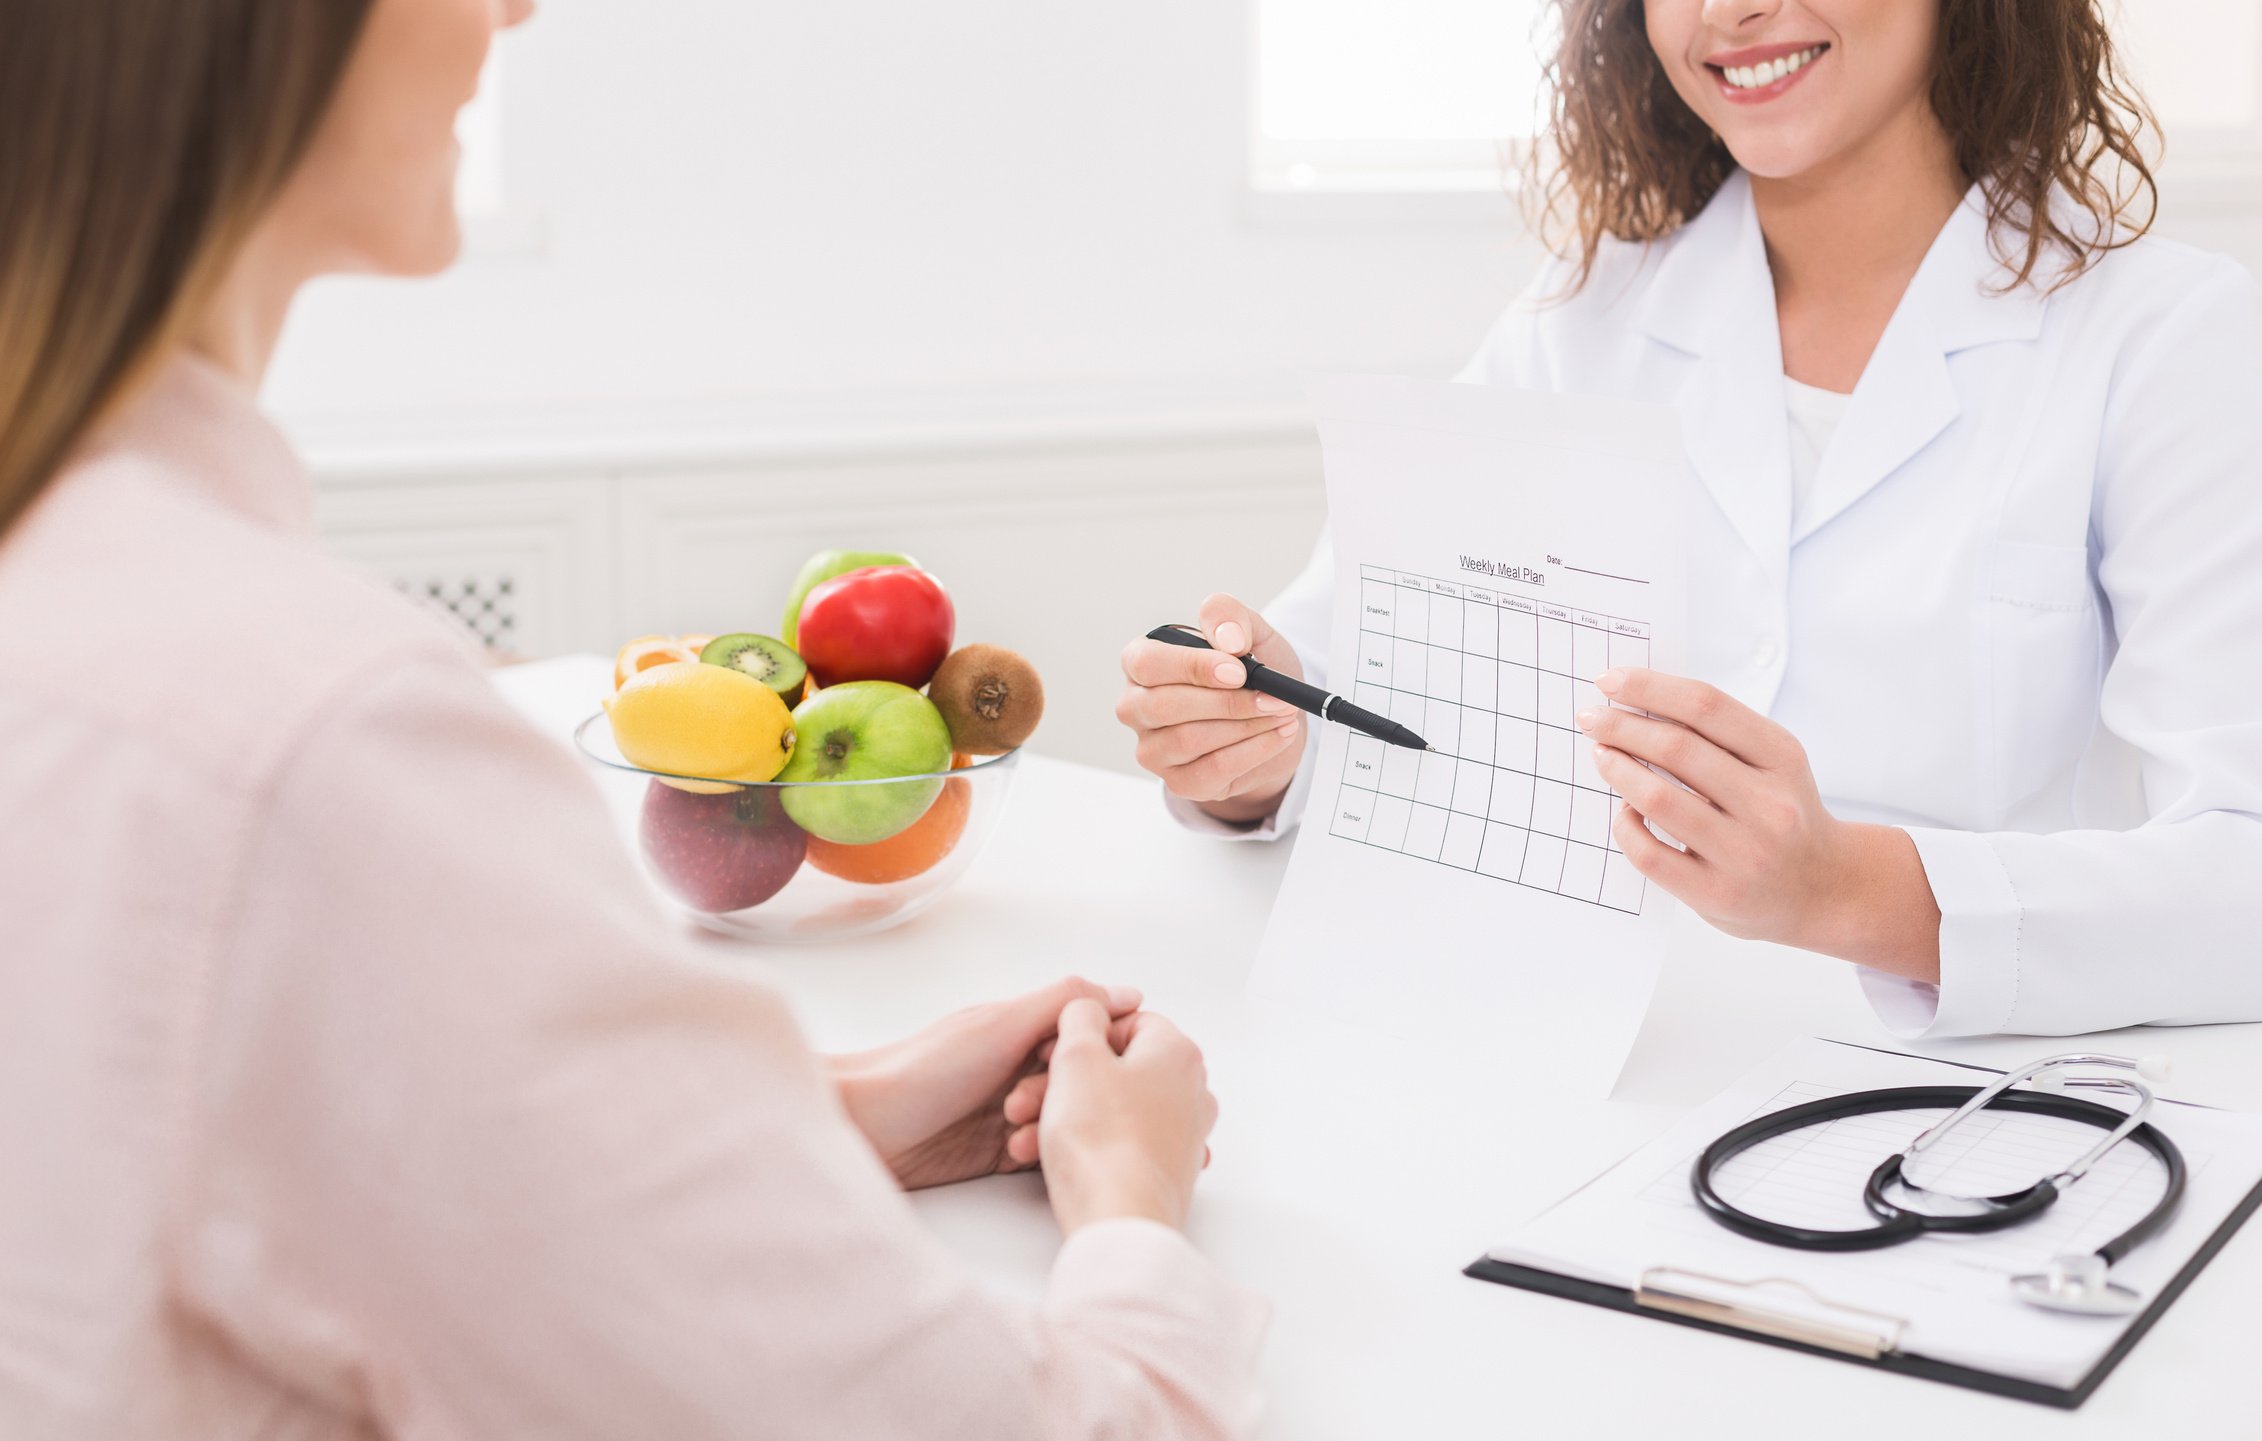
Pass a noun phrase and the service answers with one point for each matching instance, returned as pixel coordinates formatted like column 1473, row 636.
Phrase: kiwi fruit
column 772, row 662
column 990, row 698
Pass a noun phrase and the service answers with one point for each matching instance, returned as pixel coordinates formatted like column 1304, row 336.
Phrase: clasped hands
column 1112, row 1100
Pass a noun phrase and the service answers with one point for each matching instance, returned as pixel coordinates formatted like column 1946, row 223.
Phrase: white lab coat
column 2021, row 616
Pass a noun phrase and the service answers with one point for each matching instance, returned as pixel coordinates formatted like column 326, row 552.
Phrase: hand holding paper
column 1765, row 859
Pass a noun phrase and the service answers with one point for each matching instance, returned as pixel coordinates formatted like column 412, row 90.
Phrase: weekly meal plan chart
column 1495, row 551
column 1493, row 680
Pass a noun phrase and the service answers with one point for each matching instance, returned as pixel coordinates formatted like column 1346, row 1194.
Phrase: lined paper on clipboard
column 1945, row 1298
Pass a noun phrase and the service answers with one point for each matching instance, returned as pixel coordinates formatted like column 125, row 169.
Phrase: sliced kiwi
column 772, row 662
column 990, row 698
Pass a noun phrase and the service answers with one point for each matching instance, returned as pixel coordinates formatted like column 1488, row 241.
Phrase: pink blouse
column 350, row 1086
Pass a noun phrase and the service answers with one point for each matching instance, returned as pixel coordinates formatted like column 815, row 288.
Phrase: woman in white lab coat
column 1976, row 567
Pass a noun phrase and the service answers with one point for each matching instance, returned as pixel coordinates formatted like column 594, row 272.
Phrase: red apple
column 720, row 853
column 883, row 622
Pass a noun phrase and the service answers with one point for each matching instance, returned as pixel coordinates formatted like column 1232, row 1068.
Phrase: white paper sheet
column 1952, row 1291
column 1495, row 550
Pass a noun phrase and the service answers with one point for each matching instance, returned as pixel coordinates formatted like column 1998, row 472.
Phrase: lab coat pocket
column 2044, row 652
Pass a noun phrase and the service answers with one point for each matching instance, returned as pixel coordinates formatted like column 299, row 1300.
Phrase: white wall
column 884, row 197
column 821, row 268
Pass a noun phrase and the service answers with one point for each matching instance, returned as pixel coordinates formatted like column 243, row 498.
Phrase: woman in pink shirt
column 349, row 1085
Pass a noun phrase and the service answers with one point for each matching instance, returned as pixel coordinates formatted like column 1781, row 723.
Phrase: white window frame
column 1379, row 167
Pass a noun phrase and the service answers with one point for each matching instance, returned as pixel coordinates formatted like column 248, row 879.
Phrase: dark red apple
column 721, row 852
column 884, row 622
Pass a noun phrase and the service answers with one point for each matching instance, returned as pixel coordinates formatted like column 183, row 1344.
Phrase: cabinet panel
column 526, row 565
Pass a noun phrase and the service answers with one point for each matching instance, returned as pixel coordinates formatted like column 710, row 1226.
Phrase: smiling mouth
column 1766, row 76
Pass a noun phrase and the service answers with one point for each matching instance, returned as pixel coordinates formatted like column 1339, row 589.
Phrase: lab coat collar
column 1713, row 298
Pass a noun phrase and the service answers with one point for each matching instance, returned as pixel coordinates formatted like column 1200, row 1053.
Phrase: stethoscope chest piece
column 2079, row 1283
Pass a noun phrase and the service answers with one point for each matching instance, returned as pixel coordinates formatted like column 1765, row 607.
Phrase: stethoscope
column 2077, row 1282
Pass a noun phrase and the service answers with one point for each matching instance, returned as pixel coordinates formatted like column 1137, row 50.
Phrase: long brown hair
column 2032, row 93
column 140, row 140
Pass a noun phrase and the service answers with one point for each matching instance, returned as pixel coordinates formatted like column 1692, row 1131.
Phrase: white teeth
column 1767, row 72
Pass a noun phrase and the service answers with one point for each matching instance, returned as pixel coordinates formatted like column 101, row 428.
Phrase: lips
column 1763, row 71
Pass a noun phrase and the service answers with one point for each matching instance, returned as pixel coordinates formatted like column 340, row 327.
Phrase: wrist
column 1877, row 908
column 1139, row 1191
column 1248, row 810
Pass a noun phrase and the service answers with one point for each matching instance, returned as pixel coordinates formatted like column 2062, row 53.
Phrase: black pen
column 1264, row 680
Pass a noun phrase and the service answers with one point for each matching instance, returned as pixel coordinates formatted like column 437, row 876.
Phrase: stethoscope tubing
column 1897, row 1224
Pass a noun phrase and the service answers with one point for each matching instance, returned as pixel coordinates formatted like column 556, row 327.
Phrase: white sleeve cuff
column 1272, row 827
column 1979, row 945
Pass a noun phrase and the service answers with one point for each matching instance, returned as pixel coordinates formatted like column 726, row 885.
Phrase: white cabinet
column 525, row 563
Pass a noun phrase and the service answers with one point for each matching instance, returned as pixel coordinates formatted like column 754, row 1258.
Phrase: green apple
column 871, row 731
column 821, row 567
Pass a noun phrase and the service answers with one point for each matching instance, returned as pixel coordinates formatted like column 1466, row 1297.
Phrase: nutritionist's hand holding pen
column 1230, row 750
column 1233, row 755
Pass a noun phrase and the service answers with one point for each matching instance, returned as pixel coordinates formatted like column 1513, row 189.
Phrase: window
column 1391, row 94
column 2200, row 64
column 499, row 220
column 1422, row 95
column 479, row 175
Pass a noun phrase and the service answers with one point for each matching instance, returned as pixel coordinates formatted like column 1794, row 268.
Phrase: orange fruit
column 694, row 643
column 909, row 852
column 645, row 652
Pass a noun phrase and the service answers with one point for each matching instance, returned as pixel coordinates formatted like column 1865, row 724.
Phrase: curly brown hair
column 2033, row 95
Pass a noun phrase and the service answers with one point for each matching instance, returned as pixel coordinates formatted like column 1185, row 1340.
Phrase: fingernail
column 1123, row 998
column 1588, row 719
column 1601, row 754
column 1273, row 705
column 1609, row 681
column 1229, row 672
column 1230, row 638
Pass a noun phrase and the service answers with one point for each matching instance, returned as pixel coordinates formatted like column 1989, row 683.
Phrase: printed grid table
column 1491, row 680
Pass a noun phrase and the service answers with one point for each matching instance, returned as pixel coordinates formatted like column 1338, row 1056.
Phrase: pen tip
column 1433, row 750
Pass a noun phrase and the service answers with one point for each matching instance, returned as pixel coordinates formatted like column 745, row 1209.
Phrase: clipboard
column 1866, row 1338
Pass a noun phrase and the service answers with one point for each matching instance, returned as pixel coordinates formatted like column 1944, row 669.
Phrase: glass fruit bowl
column 753, row 859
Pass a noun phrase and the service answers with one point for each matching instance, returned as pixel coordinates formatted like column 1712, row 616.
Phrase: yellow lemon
column 702, row 720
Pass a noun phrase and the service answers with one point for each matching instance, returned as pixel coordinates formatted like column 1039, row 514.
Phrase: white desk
column 1355, row 1176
